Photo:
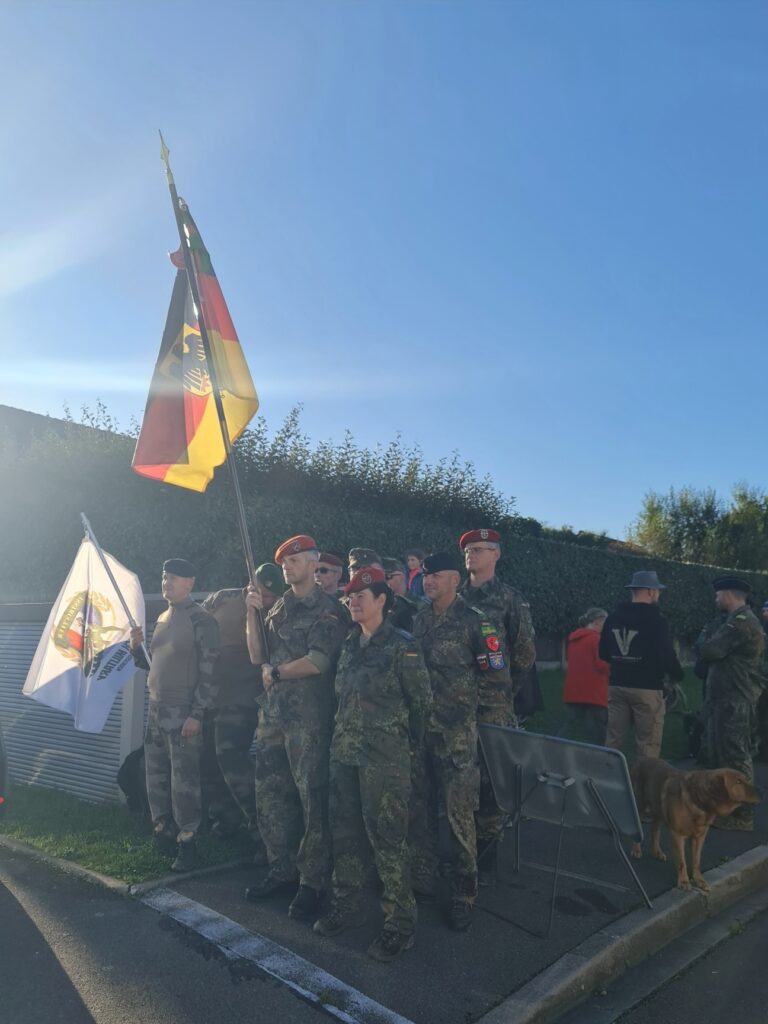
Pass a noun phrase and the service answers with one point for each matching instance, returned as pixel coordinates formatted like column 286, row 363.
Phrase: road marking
column 309, row 982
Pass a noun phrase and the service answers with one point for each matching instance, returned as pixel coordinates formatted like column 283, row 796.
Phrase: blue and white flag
column 84, row 658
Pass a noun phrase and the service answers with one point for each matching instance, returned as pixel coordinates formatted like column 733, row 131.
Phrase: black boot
column 305, row 904
column 268, row 887
column 164, row 842
column 186, row 858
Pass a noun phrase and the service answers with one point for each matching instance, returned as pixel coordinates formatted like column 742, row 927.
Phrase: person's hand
column 266, row 676
column 190, row 728
column 253, row 599
column 137, row 638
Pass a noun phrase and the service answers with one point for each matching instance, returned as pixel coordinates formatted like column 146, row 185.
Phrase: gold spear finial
column 164, row 154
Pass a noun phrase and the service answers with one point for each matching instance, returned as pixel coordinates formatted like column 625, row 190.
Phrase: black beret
column 441, row 561
column 731, row 583
column 179, row 567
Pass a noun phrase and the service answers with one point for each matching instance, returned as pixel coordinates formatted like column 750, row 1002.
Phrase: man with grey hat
column 637, row 645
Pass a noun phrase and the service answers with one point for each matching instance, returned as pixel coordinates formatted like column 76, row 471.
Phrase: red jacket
column 586, row 678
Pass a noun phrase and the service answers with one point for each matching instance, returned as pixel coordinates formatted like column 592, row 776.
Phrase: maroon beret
column 331, row 559
column 472, row 536
column 294, row 545
column 363, row 579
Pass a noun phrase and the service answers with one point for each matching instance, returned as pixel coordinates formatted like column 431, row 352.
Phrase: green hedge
column 48, row 482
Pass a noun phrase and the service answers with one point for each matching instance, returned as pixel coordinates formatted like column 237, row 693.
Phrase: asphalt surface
column 727, row 985
column 72, row 953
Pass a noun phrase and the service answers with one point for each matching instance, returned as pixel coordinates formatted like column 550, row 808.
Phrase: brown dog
column 687, row 803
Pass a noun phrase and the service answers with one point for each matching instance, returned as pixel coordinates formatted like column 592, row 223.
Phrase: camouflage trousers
column 173, row 775
column 489, row 820
column 228, row 773
column 369, row 815
column 447, row 772
column 727, row 741
column 292, row 797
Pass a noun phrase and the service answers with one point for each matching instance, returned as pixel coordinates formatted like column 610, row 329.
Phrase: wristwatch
column 275, row 674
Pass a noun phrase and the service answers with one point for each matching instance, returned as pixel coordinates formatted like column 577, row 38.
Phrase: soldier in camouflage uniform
column 405, row 605
column 227, row 767
column 305, row 629
column 182, row 687
column 457, row 641
column 734, row 654
column 511, row 616
column 384, row 697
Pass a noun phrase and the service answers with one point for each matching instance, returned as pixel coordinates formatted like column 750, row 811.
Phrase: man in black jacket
column 636, row 643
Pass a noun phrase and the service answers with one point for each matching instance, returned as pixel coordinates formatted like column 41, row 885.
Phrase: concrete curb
column 106, row 881
column 67, row 866
column 627, row 941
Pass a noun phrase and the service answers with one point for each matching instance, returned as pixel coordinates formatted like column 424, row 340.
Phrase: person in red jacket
column 586, row 677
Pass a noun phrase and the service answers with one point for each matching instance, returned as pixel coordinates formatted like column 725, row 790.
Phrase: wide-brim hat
column 645, row 580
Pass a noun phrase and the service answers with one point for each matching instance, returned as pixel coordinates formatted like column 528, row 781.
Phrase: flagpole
column 189, row 266
column 131, row 621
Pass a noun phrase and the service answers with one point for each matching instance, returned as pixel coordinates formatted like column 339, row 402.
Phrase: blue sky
column 532, row 232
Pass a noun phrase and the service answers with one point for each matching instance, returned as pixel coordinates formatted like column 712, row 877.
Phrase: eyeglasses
column 322, row 569
column 391, row 575
column 473, row 548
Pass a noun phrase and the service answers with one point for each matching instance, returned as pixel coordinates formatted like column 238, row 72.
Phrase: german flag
column 180, row 440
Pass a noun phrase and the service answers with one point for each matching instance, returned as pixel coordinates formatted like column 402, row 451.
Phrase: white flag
column 84, row 657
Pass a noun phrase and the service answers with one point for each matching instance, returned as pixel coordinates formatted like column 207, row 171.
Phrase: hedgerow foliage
column 388, row 499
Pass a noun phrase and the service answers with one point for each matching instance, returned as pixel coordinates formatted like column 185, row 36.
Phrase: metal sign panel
column 532, row 769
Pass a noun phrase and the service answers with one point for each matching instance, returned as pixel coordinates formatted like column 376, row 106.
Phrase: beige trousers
column 643, row 707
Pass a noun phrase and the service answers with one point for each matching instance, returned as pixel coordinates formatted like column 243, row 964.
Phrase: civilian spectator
column 637, row 645
column 414, row 558
column 586, row 678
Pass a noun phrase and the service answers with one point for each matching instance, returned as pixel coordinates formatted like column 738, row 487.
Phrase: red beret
column 363, row 578
column 331, row 559
column 478, row 535
column 294, row 545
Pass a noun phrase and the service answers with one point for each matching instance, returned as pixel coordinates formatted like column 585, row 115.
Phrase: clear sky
column 533, row 232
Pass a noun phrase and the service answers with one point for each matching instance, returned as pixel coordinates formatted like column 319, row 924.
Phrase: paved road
column 72, row 953
column 728, row 985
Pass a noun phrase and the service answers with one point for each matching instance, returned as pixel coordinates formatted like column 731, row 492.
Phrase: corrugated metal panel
column 43, row 747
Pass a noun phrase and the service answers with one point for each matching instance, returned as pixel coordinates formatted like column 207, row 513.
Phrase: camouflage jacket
column 734, row 654
column 182, row 679
column 457, row 646
column 311, row 627
column 384, row 698
column 511, row 616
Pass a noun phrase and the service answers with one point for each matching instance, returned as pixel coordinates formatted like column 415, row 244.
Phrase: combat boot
column 338, row 919
column 186, row 858
column 305, row 904
column 460, row 917
column 389, row 946
column 269, row 886
column 164, row 842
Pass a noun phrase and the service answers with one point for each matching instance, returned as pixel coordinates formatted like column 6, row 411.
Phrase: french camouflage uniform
column 734, row 655
column 182, row 684
column 294, row 735
column 384, row 698
column 510, row 615
column 457, row 646
column 228, row 772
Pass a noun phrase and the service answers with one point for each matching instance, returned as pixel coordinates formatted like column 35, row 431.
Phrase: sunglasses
column 391, row 575
column 323, row 570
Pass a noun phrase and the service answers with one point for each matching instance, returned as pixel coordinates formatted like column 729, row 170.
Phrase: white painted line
column 311, row 983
